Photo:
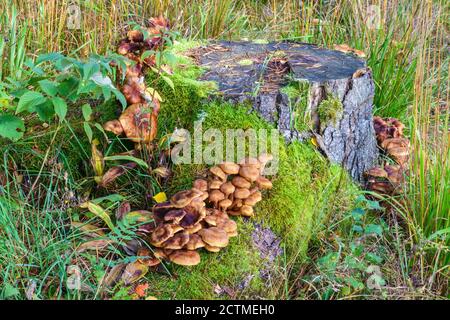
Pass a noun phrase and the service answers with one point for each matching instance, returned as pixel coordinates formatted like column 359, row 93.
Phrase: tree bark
column 257, row 72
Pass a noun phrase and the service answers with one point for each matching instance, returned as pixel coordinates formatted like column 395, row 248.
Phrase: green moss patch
column 329, row 110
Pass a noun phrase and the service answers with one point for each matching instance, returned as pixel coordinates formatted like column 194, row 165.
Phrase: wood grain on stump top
column 245, row 70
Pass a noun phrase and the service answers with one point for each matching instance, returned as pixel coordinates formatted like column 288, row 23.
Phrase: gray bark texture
column 257, row 72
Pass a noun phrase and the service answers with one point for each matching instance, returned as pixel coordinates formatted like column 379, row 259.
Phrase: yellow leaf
column 98, row 162
column 99, row 212
column 153, row 93
column 314, row 141
column 160, row 197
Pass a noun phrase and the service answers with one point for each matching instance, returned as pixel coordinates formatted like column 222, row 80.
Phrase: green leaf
column 45, row 110
column 357, row 228
column 374, row 258
column 373, row 228
column 120, row 97
column 115, row 197
column 53, row 56
column 88, row 131
column 9, row 291
column 99, row 212
column 168, row 81
column 29, row 100
column 357, row 214
column 60, row 107
column 49, row 87
column 87, row 111
column 127, row 158
column 11, row 127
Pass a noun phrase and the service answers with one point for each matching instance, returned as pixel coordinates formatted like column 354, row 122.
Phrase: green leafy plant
column 55, row 82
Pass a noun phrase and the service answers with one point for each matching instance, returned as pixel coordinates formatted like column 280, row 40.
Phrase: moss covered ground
column 307, row 190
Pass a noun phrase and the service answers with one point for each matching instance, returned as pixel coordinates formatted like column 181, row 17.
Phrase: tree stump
column 258, row 72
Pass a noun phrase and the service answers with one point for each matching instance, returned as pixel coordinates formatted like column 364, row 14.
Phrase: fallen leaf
column 122, row 210
column 113, row 275
column 140, row 289
column 160, row 197
column 133, row 272
column 95, row 245
column 99, row 212
column 138, row 216
column 115, row 172
column 89, row 229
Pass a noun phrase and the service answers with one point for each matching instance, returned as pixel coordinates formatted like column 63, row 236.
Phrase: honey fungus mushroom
column 134, row 122
column 214, row 237
column 185, row 257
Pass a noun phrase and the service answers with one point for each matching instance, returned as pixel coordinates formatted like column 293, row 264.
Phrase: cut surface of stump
column 339, row 95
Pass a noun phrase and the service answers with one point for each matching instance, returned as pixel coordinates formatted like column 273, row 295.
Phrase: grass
column 406, row 52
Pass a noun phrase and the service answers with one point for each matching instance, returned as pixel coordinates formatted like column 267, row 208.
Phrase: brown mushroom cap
column 241, row 193
column 214, row 236
column 250, row 162
column 215, row 184
column 195, row 242
column 253, row 198
column 394, row 174
column 175, row 215
column 135, row 36
column 247, row 211
column 178, row 241
column 230, row 167
column 113, row 126
column 249, row 172
column 201, row 184
column 376, row 172
column 232, row 234
column 161, row 234
column 135, row 121
column 227, row 224
column 212, row 248
column 147, row 257
column 192, row 217
column 194, row 228
column 225, row 204
column 183, row 198
column 215, row 196
column 227, row 188
column 185, row 257
column 263, row 183
column 160, row 210
column 218, row 173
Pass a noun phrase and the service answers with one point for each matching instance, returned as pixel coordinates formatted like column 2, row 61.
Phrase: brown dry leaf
column 89, row 229
column 141, row 289
column 347, row 49
column 115, row 172
column 113, row 275
column 133, row 272
column 122, row 210
column 95, row 245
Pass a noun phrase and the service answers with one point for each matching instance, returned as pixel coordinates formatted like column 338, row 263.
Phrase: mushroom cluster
column 235, row 188
column 388, row 178
column 390, row 138
column 199, row 217
column 139, row 121
column 184, row 224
